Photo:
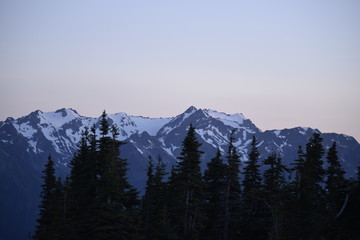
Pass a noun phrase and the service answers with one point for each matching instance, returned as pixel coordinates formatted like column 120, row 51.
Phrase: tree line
column 230, row 200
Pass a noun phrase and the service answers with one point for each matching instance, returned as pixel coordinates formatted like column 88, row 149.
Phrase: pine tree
column 274, row 176
column 313, row 164
column 299, row 170
column 312, row 193
column 83, row 191
column 46, row 228
column 160, row 187
column 215, row 186
column 336, row 183
column 67, row 231
column 254, row 224
column 148, row 207
column 155, row 216
column 189, row 188
column 348, row 219
column 274, row 194
column 252, row 177
column 294, row 222
column 117, row 215
column 59, row 221
column 174, row 203
column 336, row 194
column 232, row 193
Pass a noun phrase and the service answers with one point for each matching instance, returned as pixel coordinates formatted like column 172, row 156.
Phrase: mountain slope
column 26, row 142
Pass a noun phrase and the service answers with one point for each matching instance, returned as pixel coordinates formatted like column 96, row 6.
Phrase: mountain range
column 26, row 142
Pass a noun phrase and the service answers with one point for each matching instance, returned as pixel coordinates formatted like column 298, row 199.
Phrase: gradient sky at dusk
column 280, row 63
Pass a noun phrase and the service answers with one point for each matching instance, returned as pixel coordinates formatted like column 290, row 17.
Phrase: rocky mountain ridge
column 26, row 142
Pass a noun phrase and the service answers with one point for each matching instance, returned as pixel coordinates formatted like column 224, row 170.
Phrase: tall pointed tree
column 82, row 191
column 45, row 228
column 299, row 170
column 232, row 193
column 215, row 185
column 336, row 194
column 161, row 218
column 154, row 210
column 254, row 224
column 313, row 195
column 252, row 176
column 274, row 194
column 313, row 165
column 60, row 222
column 116, row 198
column 294, row 220
column 189, row 192
column 148, row 207
column 336, row 183
column 348, row 219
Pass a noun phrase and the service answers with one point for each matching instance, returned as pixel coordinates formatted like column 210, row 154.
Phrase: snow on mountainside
column 134, row 124
column 234, row 120
column 26, row 142
column 63, row 128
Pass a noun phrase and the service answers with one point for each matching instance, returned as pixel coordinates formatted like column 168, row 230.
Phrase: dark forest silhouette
column 310, row 200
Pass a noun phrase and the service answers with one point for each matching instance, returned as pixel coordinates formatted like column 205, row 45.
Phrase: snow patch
column 232, row 120
column 136, row 124
column 140, row 151
column 58, row 118
column 168, row 150
column 303, row 130
column 26, row 130
column 150, row 125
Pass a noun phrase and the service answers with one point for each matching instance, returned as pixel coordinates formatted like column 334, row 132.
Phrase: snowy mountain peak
column 59, row 117
column 9, row 119
column 237, row 117
column 135, row 124
column 67, row 111
column 233, row 120
column 191, row 109
column 26, row 142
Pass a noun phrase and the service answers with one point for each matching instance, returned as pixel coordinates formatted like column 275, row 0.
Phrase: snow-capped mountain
column 26, row 142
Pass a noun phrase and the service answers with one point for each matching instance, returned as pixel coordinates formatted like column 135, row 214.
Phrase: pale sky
column 281, row 63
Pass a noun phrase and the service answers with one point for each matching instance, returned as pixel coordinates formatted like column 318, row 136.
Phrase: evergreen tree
column 59, row 222
column 274, row 194
column 299, row 170
column 215, row 186
column 189, row 188
column 117, row 203
column 312, row 200
column 174, row 203
column 298, row 165
column 254, row 224
column 294, row 223
column 336, row 184
column 232, row 193
column 313, row 165
column 148, row 207
column 252, row 176
column 348, row 217
column 155, row 216
column 274, row 176
column 67, row 231
column 46, row 228
column 336, row 195
column 82, row 191
column 160, row 187
column 117, row 216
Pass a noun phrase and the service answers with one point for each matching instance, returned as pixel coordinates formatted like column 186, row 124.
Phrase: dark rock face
column 25, row 144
